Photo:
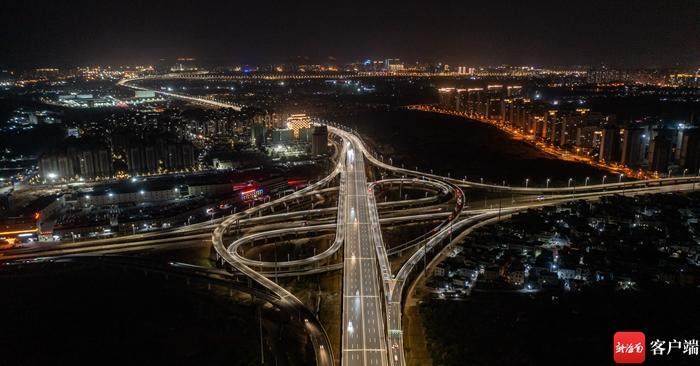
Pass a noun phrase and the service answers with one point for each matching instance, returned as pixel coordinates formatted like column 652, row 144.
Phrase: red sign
column 629, row 347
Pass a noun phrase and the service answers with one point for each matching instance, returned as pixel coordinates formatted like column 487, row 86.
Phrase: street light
column 548, row 180
column 527, row 180
column 685, row 171
column 585, row 183
column 604, row 178
column 620, row 180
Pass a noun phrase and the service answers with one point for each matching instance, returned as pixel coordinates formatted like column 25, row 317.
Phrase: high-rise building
column 447, row 97
column 548, row 125
column 269, row 120
column 188, row 159
column 305, row 134
column 677, row 142
column 632, row 146
column 610, row 144
column 660, row 153
column 157, row 155
column 494, row 101
column 319, row 142
column 135, row 160
column 475, row 97
column 150, row 158
column 690, row 154
column 296, row 122
column 514, row 90
column 587, row 136
column 78, row 160
column 576, row 128
column 282, row 136
column 393, row 64
column 459, row 100
column 258, row 132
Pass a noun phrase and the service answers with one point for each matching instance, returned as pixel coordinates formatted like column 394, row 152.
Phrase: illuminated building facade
column 296, row 122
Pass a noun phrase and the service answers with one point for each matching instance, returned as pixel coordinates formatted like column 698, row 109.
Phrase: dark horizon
column 616, row 33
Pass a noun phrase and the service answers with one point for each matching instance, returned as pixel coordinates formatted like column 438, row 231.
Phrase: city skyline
column 625, row 34
column 350, row 184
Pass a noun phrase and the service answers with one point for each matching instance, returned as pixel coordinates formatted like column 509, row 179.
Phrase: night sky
column 633, row 33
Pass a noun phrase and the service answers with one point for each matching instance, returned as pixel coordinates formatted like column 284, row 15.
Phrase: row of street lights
column 571, row 180
column 547, row 182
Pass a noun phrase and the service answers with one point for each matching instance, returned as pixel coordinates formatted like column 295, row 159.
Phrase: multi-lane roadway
column 363, row 340
column 372, row 296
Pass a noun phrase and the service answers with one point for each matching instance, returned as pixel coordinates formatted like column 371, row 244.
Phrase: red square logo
column 629, row 347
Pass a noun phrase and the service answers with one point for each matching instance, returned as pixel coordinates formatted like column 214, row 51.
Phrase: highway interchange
column 372, row 295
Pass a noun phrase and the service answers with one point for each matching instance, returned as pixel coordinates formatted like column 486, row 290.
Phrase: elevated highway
column 373, row 295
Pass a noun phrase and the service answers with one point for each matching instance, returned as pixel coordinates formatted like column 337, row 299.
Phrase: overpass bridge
column 373, row 295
